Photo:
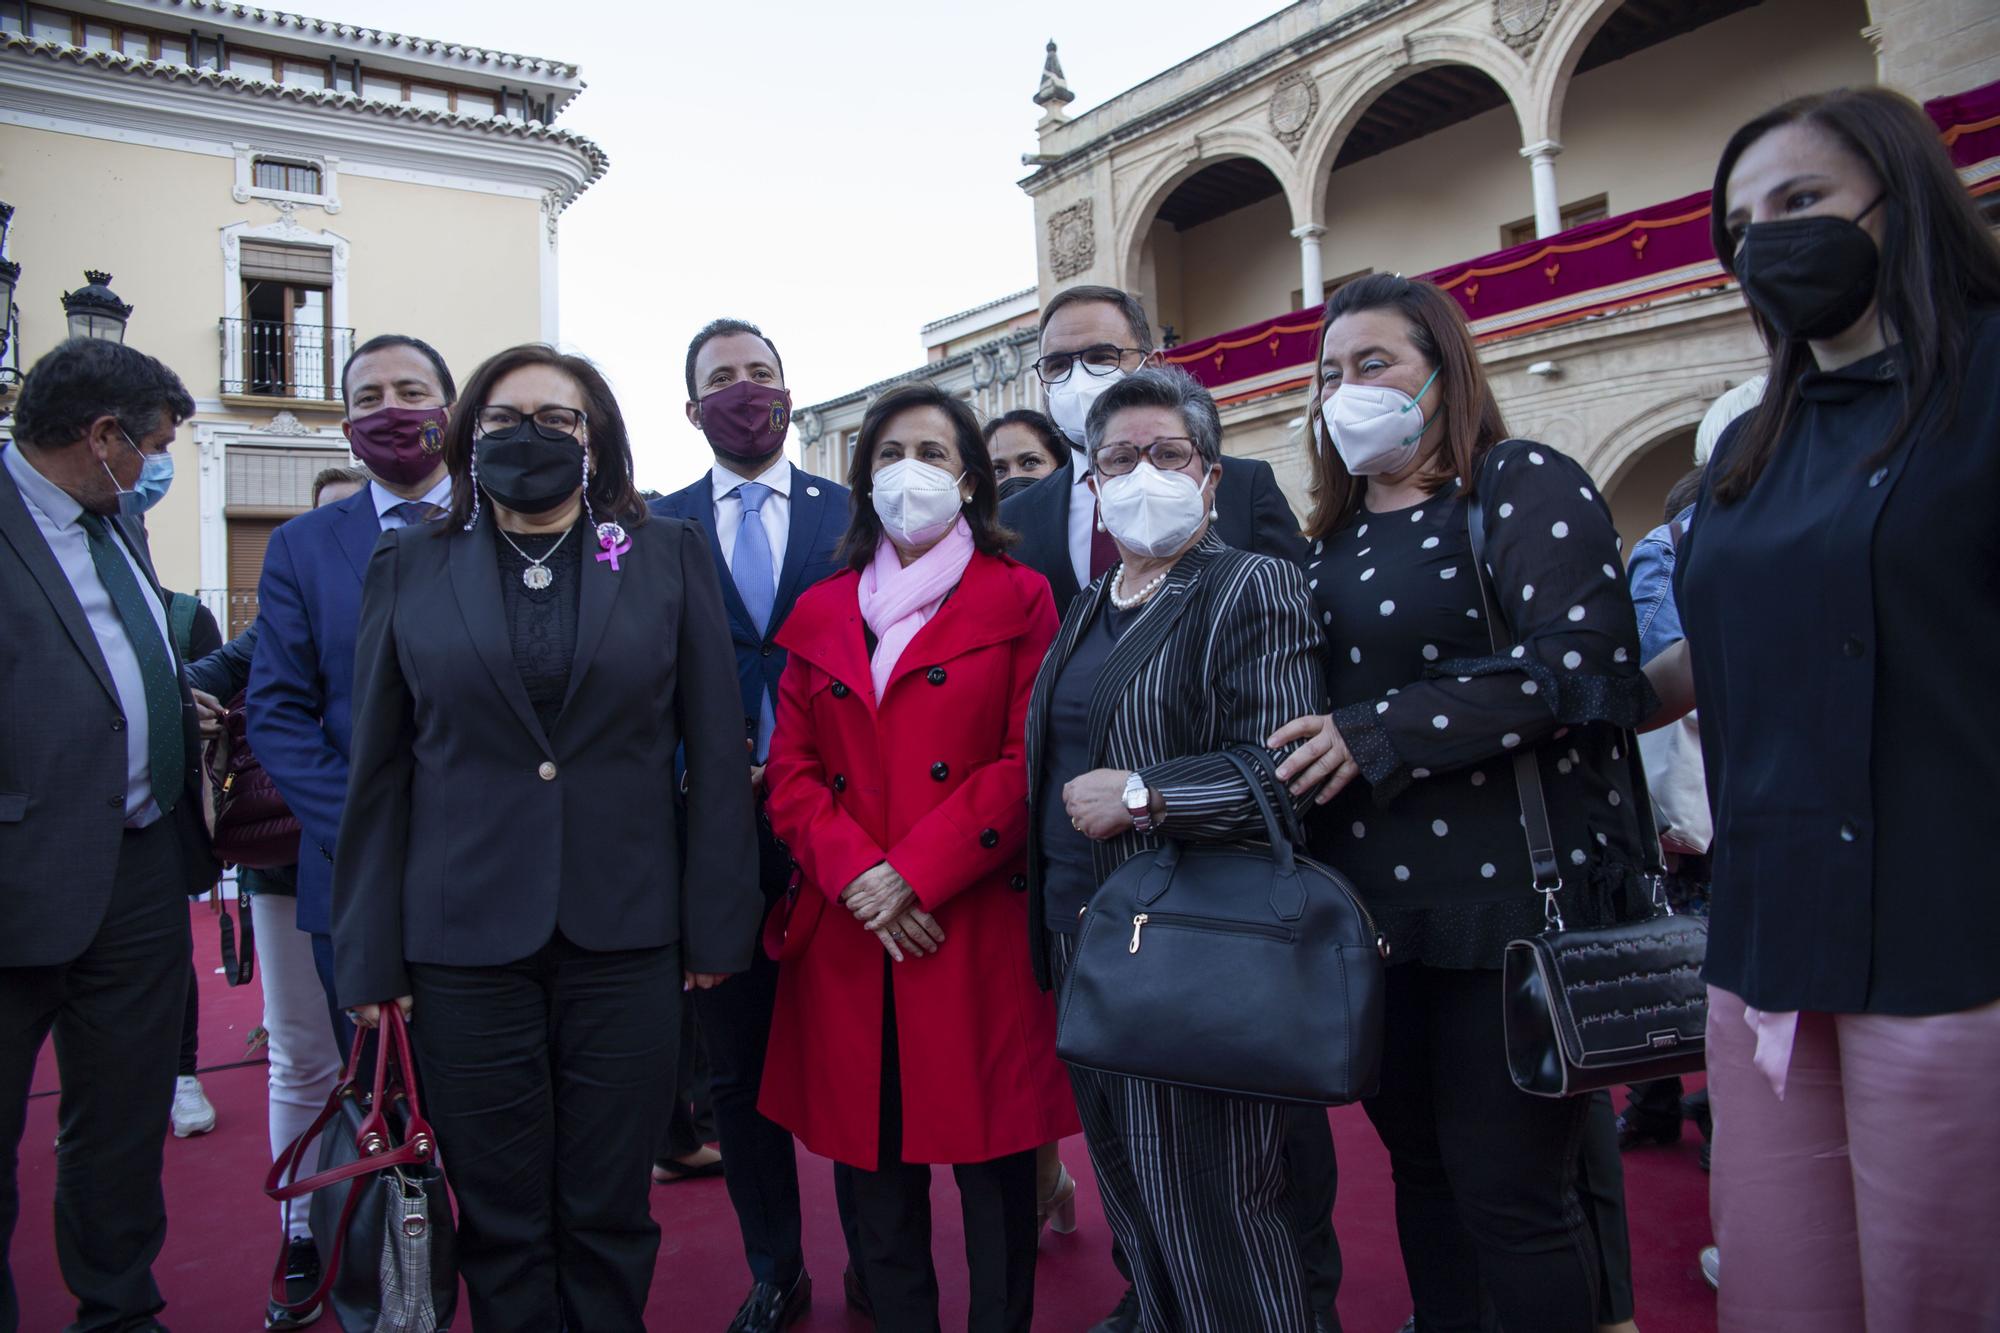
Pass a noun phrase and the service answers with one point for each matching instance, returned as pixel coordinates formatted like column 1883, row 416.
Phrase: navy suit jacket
column 300, row 699
column 819, row 520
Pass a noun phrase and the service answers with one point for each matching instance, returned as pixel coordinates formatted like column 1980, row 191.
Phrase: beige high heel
column 1058, row 1211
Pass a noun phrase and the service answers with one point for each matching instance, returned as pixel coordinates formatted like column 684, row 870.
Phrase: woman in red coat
column 909, row 1028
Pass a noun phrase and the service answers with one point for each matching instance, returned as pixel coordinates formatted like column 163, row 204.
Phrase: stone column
column 1312, row 279
column 1548, row 204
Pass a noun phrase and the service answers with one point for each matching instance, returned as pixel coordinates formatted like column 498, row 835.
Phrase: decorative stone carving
column 552, row 206
column 808, row 425
column 983, row 368
column 1520, row 23
column 1072, row 240
column 1294, row 102
column 286, row 424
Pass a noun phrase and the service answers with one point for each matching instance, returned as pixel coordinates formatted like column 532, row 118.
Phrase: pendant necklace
column 536, row 576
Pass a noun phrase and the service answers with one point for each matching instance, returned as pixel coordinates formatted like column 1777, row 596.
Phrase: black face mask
column 1811, row 277
column 525, row 470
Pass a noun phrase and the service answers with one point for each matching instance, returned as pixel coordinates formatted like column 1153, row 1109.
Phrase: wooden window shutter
column 309, row 264
column 247, row 539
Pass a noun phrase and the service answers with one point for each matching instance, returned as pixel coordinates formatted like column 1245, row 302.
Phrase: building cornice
column 258, row 24
column 1242, row 60
column 1026, row 300
column 55, row 85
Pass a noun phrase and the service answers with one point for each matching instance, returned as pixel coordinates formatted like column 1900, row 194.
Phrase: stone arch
column 1569, row 32
column 1204, row 148
column 1362, row 84
column 1611, row 457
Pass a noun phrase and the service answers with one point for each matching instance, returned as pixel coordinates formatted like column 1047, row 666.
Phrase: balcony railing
column 1594, row 269
column 269, row 358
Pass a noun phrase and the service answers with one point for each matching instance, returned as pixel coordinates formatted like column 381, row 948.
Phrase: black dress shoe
column 1124, row 1317
column 301, row 1281
column 1634, row 1132
column 770, row 1307
column 857, row 1292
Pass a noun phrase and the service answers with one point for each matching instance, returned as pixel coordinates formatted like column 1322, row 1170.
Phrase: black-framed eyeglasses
column 1100, row 360
column 1169, row 453
column 551, row 423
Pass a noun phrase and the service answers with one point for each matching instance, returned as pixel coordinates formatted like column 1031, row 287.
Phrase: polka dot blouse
column 1431, row 834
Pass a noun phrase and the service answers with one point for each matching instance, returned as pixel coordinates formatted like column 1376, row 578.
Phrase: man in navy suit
column 772, row 529
column 397, row 390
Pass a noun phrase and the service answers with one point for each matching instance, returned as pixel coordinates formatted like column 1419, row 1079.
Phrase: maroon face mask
column 747, row 419
column 401, row 445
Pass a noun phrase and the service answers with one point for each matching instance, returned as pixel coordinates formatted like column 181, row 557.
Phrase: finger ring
column 895, row 934
column 1078, row 827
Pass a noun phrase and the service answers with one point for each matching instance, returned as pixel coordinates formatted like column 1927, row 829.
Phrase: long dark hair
column 1938, row 262
column 611, row 492
column 1472, row 422
column 982, row 514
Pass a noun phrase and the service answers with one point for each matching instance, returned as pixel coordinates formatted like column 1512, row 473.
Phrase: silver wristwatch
column 1139, row 804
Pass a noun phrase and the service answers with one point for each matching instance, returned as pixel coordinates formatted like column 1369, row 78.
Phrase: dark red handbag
column 252, row 825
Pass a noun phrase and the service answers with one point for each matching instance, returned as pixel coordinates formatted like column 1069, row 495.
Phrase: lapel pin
column 615, row 543
column 813, row 491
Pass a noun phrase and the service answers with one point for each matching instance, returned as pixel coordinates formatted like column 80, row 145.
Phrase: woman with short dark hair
column 1436, row 687
column 1182, row 651
column 1842, row 620
column 909, row 1030
column 510, row 863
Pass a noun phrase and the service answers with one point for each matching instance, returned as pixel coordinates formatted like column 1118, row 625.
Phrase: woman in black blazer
column 1181, row 651
column 511, row 869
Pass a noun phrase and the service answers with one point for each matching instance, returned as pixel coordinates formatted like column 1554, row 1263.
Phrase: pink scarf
column 897, row 600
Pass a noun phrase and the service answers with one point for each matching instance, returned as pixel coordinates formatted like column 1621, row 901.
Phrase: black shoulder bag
column 1590, row 1009
column 1240, row 968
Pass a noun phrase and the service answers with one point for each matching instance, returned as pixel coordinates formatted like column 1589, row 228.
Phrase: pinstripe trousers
column 1194, row 1187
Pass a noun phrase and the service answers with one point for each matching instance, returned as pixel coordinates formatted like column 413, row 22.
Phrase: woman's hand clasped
column 1096, row 803
column 1321, row 761
column 885, row 904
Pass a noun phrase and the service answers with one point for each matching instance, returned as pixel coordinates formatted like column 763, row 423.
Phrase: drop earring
column 472, row 480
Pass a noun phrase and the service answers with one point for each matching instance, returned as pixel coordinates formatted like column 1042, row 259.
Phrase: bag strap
column 180, row 621
column 237, row 969
column 1527, row 766
column 1288, row 898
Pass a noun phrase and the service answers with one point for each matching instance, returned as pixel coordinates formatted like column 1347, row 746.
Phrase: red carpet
column 223, row 1232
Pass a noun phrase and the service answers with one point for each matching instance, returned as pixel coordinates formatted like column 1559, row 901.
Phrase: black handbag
column 1594, row 1008
column 1239, row 968
column 380, row 1207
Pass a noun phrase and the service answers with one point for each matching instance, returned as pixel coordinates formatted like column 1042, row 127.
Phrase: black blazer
column 1223, row 655
column 62, row 754
column 1253, row 516
column 470, row 837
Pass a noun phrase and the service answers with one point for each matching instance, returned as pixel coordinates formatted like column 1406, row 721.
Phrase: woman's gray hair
column 1161, row 386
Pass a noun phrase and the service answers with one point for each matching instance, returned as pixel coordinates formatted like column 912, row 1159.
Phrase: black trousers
column 1600, row 1184
column 115, row 1011
column 1485, row 1175
column 690, row 1120
column 543, row 1079
column 892, row 1206
column 190, row 1055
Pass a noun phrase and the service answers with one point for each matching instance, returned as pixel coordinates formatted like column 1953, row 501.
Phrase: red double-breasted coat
column 930, row 778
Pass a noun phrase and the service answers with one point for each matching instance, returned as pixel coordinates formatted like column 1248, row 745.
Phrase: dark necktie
column 1103, row 551
column 166, row 751
column 413, row 512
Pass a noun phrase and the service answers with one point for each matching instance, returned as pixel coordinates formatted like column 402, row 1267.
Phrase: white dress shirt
column 386, row 500
column 776, row 511
column 1082, row 518
column 56, row 515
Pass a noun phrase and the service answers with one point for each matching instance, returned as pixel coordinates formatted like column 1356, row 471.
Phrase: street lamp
column 10, row 274
column 95, row 311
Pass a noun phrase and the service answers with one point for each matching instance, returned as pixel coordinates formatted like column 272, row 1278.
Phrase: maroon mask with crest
column 747, row 419
column 401, row 445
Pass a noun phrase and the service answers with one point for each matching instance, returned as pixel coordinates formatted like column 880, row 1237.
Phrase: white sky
column 840, row 174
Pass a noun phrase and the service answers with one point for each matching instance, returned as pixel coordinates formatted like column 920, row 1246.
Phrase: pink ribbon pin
column 615, row 543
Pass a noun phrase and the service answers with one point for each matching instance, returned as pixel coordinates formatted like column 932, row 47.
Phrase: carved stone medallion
column 1072, row 240
column 1520, row 22
column 1293, row 103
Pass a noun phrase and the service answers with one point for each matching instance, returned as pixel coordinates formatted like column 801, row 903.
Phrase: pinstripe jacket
column 1225, row 653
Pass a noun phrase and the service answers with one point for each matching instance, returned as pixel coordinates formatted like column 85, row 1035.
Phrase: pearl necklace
column 1127, row 603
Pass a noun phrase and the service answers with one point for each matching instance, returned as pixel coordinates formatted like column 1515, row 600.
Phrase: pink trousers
column 1868, row 1200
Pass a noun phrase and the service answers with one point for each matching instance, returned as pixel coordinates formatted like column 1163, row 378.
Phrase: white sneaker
column 1711, row 1266
column 192, row 1112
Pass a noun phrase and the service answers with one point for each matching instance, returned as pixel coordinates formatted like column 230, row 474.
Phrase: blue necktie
column 750, row 565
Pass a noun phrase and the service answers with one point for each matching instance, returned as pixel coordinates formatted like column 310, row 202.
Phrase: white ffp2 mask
column 1070, row 401
column 1150, row 511
column 915, row 501
column 1375, row 428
